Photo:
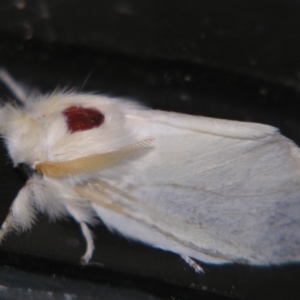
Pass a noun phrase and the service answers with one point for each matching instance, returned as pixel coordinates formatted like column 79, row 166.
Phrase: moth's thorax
column 46, row 129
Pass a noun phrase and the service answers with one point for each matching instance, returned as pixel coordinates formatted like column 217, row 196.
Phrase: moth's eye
column 81, row 118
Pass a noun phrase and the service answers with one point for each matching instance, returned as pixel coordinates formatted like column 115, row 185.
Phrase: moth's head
column 20, row 133
column 62, row 127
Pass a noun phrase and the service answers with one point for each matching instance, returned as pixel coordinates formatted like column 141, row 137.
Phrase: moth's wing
column 215, row 196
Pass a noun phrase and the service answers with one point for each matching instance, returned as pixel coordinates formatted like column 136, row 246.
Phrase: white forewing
column 232, row 199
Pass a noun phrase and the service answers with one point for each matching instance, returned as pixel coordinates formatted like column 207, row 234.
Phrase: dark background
column 227, row 59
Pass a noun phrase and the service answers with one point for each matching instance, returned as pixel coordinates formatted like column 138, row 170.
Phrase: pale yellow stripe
column 92, row 163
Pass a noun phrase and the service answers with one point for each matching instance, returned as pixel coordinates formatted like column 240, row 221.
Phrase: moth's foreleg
column 21, row 215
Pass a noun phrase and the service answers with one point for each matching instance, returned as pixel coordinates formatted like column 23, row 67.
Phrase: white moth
column 213, row 190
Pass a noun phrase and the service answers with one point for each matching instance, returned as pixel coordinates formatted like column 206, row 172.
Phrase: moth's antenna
column 15, row 88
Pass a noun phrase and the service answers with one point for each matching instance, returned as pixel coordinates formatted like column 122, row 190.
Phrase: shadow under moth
column 210, row 190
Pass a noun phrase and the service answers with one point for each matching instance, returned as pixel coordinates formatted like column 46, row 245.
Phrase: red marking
column 81, row 118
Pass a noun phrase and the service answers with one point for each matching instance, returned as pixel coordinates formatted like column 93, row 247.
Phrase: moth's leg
column 6, row 227
column 88, row 236
column 16, row 88
column 81, row 215
column 21, row 215
column 192, row 263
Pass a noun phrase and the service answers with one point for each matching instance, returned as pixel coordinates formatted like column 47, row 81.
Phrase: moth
column 211, row 190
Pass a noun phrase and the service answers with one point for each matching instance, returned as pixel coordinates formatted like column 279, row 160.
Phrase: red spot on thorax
column 81, row 118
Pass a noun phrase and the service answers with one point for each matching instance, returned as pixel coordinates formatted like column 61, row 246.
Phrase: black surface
column 254, row 37
column 103, row 53
column 17, row 285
